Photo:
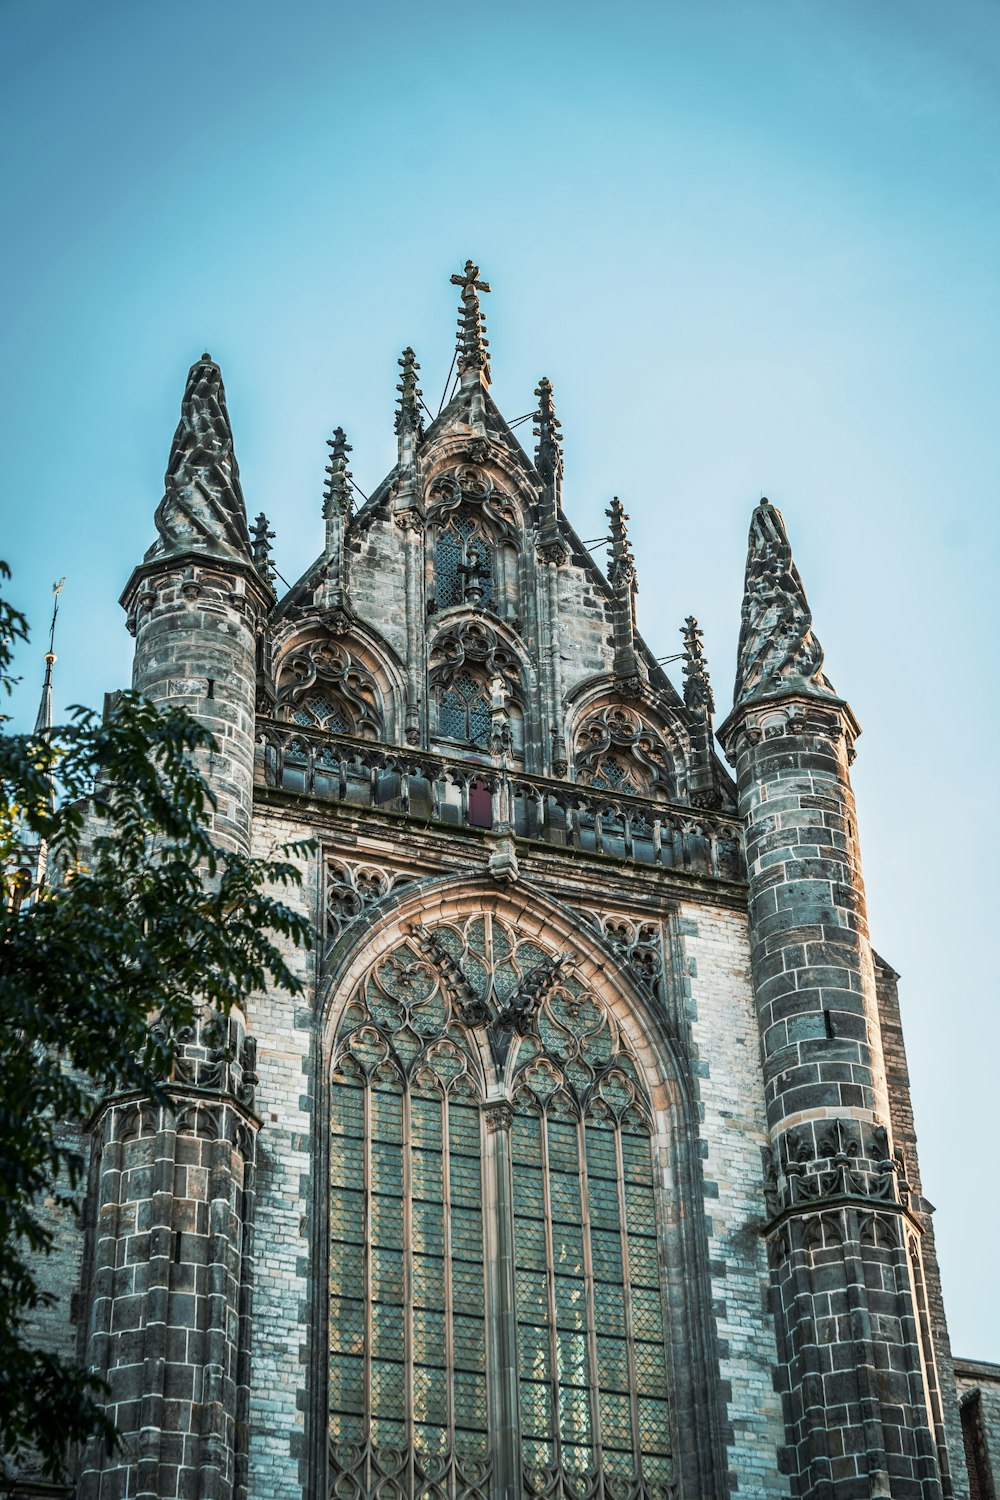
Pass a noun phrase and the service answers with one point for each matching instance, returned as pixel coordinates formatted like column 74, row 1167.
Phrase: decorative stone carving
column 352, row 890
column 840, row 1162
column 614, row 746
column 202, row 508
column 469, row 485
column 777, row 649
column 476, row 644
column 473, row 345
column 640, row 945
column 325, row 672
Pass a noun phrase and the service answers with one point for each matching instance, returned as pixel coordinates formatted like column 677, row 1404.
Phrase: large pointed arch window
column 496, row 1318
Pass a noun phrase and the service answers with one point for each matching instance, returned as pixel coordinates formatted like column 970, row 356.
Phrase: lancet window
column 464, row 564
column 464, row 709
column 481, row 1251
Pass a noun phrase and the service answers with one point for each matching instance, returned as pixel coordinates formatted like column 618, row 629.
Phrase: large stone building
column 584, row 1165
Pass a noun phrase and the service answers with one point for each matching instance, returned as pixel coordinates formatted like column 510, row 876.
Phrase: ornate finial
column 337, row 491
column 408, row 418
column 548, row 450
column 261, row 540
column 698, row 694
column 621, row 567
column 473, row 359
column 202, row 509
column 777, row 649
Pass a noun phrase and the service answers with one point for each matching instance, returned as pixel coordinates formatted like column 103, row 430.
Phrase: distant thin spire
column 43, row 719
column 337, row 491
column 408, row 413
column 548, row 449
column 698, row 694
column 261, row 538
column 473, row 345
column 202, row 509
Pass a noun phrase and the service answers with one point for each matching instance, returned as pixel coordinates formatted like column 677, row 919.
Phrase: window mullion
column 588, row 1281
column 627, row 1284
column 407, row 1186
column 369, row 1290
column 550, row 1282
column 449, row 1294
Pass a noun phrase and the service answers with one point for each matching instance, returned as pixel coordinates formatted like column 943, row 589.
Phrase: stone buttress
column 844, row 1230
column 167, row 1266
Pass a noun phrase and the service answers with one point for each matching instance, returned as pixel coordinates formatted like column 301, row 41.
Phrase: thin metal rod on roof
column 358, row 488
column 518, row 420
column 447, row 383
column 678, row 656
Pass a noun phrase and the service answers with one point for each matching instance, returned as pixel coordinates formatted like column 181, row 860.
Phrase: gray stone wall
column 979, row 1394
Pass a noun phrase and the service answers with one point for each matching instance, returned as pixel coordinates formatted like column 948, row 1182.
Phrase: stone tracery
column 451, row 1013
column 322, row 686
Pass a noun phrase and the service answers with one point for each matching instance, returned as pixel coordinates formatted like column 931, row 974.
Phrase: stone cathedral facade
column 584, row 1165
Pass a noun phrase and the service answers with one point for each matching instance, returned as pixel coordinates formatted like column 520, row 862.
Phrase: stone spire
column 778, row 651
column 409, row 420
column 548, row 449
column 698, row 696
column 473, row 358
column 337, row 490
column 262, row 538
column 202, row 509
column 622, row 577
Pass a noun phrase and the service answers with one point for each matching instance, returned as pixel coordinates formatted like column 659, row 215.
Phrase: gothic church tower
column 581, row 1169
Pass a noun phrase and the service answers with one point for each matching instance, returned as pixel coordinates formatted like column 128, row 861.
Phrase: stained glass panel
column 408, row 1335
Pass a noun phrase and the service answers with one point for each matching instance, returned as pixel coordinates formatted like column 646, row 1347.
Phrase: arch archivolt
column 468, row 1003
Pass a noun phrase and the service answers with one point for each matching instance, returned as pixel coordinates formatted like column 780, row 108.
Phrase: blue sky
column 754, row 246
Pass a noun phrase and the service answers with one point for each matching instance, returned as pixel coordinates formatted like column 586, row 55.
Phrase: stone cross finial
column 202, row 509
column 408, row 418
column 337, row 491
column 777, row 649
column 698, row 694
column 261, row 539
column 473, row 359
column 548, row 450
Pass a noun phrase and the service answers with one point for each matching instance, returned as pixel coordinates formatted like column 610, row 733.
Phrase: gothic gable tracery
column 617, row 750
column 322, row 686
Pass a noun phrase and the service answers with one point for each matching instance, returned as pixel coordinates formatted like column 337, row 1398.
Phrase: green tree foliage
column 141, row 924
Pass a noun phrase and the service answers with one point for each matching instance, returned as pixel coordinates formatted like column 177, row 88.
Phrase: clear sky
column 753, row 243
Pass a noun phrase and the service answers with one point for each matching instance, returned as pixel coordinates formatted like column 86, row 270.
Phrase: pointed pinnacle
column 548, row 450
column 337, row 490
column 621, row 567
column 261, row 538
column 202, row 507
column 408, row 418
column 698, row 694
column 472, row 341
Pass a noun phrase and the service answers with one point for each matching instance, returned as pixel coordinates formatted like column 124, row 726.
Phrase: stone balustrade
column 432, row 788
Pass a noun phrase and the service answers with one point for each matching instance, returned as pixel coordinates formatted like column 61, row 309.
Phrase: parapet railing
column 434, row 788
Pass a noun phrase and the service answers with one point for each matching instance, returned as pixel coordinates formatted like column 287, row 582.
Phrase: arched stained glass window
column 464, row 709
column 463, row 566
column 424, row 1302
column 324, row 711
